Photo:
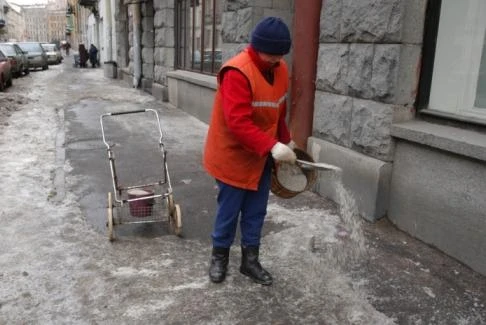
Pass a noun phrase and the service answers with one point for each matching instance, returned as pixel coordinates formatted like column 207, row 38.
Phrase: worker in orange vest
column 246, row 135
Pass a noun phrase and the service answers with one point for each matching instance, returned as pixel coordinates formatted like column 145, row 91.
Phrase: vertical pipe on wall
column 97, row 32
column 137, row 47
column 108, row 31
column 304, row 68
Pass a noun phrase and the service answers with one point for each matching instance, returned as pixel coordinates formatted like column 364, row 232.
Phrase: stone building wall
column 122, row 34
column 130, row 39
column 125, row 47
column 147, row 42
column 164, row 46
column 367, row 72
column 240, row 16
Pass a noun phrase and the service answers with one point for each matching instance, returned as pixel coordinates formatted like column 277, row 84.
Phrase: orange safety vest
column 225, row 158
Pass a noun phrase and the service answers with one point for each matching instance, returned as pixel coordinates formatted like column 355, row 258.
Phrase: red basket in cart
column 140, row 207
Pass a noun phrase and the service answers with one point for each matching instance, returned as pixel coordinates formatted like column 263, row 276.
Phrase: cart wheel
column 170, row 204
column 176, row 220
column 110, row 223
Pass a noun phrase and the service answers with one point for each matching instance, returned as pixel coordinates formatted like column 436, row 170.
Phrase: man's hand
column 281, row 152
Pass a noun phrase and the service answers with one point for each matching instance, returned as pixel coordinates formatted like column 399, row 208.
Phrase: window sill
column 452, row 139
column 200, row 79
column 452, row 116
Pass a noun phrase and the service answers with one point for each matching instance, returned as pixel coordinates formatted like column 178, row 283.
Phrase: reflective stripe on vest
column 270, row 104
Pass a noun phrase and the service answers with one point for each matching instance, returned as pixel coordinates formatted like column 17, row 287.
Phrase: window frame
column 465, row 110
column 186, row 47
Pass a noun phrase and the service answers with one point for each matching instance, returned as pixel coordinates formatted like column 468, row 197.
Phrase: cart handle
column 130, row 112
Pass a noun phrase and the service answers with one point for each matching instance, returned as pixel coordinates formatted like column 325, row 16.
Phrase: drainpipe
column 304, row 69
column 97, row 32
column 107, row 31
column 137, row 48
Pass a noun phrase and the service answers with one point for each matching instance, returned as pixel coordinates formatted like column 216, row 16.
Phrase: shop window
column 459, row 75
column 198, row 35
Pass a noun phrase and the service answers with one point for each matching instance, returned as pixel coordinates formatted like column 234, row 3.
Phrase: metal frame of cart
column 124, row 208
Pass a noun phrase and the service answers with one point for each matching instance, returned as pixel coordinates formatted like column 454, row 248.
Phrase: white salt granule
column 291, row 177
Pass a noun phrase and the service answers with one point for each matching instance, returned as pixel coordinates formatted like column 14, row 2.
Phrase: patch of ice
column 139, row 310
column 429, row 292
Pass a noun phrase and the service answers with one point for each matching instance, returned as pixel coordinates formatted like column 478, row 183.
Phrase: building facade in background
column 43, row 23
column 16, row 24
column 76, row 22
column 102, row 29
column 3, row 19
column 36, row 23
column 56, row 24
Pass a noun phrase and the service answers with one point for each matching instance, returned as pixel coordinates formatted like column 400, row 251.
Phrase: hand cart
column 142, row 203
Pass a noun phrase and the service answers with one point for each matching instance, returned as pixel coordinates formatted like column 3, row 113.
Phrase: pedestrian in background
column 93, row 56
column 83, row 55
column 246, row 134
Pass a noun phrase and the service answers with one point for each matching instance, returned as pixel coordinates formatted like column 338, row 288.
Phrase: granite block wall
column 368, row 59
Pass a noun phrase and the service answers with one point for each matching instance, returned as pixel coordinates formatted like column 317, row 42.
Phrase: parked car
column 54, row 55
column 18, row 58
column 36, row 55
column 5, row 72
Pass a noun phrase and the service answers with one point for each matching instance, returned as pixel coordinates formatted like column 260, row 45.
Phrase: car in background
column 18, row 59
column 54, row 55
column 5, row 72
column 35, row 54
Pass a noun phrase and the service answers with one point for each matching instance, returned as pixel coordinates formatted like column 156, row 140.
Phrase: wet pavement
column 58, row 267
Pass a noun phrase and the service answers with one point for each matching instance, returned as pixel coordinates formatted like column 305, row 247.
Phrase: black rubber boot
column 251, row 267
column 219, row 264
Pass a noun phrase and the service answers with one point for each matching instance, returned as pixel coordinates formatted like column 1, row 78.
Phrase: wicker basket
column 279, row 190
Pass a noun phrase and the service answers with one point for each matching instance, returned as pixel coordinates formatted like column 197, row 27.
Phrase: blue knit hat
column 271, row 36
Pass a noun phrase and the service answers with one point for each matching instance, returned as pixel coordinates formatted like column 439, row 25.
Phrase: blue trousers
column 250, row 206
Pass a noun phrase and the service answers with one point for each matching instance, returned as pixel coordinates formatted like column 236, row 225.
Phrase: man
column 246, row 134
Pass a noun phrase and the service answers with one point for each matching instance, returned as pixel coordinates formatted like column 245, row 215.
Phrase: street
column 57, row 265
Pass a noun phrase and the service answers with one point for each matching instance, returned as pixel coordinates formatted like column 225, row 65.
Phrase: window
column 459, row 74
column 198, row 35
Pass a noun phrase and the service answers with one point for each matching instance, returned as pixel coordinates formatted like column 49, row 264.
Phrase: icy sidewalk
column 58, row 266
